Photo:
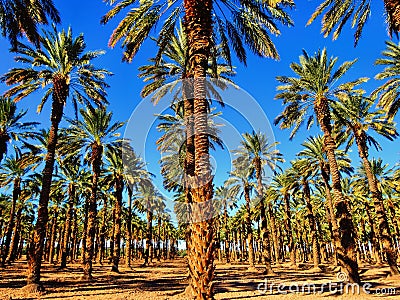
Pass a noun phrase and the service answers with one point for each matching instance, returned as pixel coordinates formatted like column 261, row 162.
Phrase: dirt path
column 167, row 280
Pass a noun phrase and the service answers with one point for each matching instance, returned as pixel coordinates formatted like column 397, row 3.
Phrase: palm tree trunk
column 249, row 228
column 60, row 93
column 119, row 186
column 346, row 249
column 128, row 236
column 383, row 224
column 15, row 238
column 226, row 232
column 68, row 223
column 288, row 228
column 313, row 227
column 97, row 152
column 333, row 227
column 4, row 138
column 149, row 233
column 265, row 236
column 10, row 227
column 53, row 237
column 198, row 26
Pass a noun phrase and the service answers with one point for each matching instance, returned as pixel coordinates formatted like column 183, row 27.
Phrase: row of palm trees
column 206, row 24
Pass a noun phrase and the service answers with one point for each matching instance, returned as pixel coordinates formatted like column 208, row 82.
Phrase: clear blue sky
column 258, row 78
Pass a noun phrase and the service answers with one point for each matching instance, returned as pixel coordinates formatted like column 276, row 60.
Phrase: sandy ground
column 167, row 280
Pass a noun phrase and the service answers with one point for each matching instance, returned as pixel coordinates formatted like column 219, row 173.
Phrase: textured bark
column 88, row 255
column 383, row 224
column 60, row 93
column 198, row 26
column 119, row 186
column 68, row 222
column 313, row 227
column 372, row 235
column 249, row 228
column 11, row 220
column 346, row 249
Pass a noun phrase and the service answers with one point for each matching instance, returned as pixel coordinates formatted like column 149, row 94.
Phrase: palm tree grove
column 230, row 149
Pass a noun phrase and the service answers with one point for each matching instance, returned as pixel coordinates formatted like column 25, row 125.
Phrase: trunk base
column 269, row 272
column 33, row 288
column 252, row 269
column 87, row 278
column 114, row 269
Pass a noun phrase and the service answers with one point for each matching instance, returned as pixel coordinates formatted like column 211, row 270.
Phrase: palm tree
column 251, row 19
column 92, row 136
column 65, row 70
column 304, row 173
column 336, row 13
column 22, row 17
column 354, row 115
column 146, row 201
column 71, row 172
column 389, row 91
column 308, row 93
column 315, row 154
column 255, row 150
column 12, row 172
column 10, row 126
column 283, row 184
column 239, row 184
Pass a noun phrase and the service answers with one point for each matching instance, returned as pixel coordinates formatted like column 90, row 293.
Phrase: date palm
column 64, row 70
column 315, row 154
column 310, row 92
column 256, row 151
column 389, row 91
column 254, row 20
column 92, row 137
column 239, row 184
column 11, row 127
column 354, row 113
column 283, row 185
column 304, row 172
column 22, row 18
column 12, row 173
column 337, row 13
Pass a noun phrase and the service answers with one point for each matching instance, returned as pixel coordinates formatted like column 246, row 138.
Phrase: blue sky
column 258, row 78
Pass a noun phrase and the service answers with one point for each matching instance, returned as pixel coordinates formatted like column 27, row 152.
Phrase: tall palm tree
column 315, row 154
column 239, row 184
column 22, row 17
column 71, row 172
column 304, row 172
column 336, row 13
column 309, row 93
column 283, row 184
column 92, row 136
column 10, row 126
column 354, row 115
column 389, row 91
column 65, row 70
column 257, row 151
column 252, row 19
